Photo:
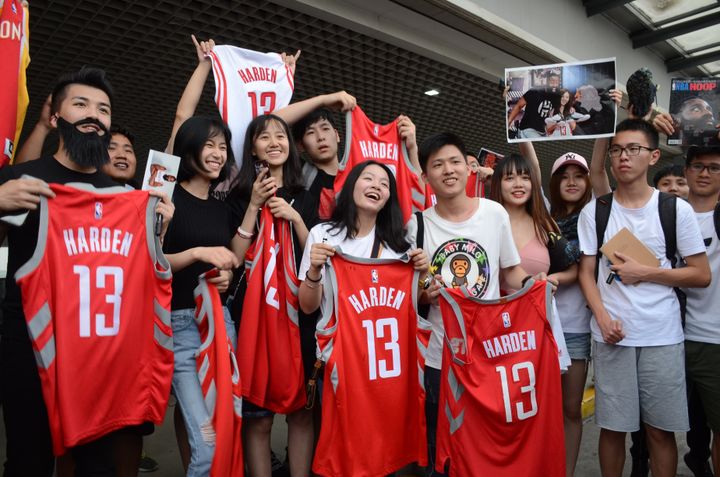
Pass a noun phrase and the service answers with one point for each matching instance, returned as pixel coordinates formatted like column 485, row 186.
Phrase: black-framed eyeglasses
column 698, row 167
column 632, row 150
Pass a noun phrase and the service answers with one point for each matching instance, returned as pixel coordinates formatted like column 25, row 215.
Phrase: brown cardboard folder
column 626, row 243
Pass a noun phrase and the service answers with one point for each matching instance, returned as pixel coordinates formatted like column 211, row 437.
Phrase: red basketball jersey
column 271, row 369
column 373, row 344
column 14, row 51
column 96, row 297
column 364, row 141
column 219, row 378
column 500, row 410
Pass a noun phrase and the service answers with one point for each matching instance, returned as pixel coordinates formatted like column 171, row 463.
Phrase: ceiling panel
column 145, row 47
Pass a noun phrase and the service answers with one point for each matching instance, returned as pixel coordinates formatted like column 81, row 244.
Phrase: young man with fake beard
column 81, row 111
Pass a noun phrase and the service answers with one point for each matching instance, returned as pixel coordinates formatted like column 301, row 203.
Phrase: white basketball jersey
column 248, row 83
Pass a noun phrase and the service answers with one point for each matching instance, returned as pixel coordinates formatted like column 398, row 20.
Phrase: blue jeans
column 530, row 133
column 432, row 401
column 186, row 386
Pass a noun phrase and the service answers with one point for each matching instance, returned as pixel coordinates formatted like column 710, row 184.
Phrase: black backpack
column 667, row 209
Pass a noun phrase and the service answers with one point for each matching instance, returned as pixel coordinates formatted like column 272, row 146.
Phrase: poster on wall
column 695, row 108
column 562, row 101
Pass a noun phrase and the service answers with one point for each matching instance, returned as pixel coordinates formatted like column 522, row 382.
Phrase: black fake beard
column 85, row 149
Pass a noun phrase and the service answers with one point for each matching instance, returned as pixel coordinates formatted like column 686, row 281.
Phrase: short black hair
column 88, row 76
column 123, row 131
column 642, row 126
column 436, row 142
column 299, row 128
column 190, row 141
column 671, row 170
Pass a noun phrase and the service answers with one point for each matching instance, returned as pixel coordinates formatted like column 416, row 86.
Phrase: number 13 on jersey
column 383, row 331
column 114, row 299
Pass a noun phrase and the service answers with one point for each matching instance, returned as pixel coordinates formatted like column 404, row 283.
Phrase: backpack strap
column 422, row 310
column 667, row 208
column 420, row 236
column 716, row 220
column 603, row 205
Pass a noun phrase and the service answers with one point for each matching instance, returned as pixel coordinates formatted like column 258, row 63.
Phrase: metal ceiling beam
column 593, row 7
column 688, row 14
column 677, row 64
column 648, row 37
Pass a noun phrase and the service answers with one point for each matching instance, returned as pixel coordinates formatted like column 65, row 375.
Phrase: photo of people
column 694, row 107
column 562, row 101
column 161, row 172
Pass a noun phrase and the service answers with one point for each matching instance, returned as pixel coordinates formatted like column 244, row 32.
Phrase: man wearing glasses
column 702, row 327
column 638, row 353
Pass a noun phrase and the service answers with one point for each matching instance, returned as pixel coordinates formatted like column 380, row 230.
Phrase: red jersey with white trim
column 96, row 296
column 474, row 188
column 248, row 83
column 269, row 355
column 500, row 410
column 219, row 378
column 14, row 51
column 366, row 140
column 373, row 344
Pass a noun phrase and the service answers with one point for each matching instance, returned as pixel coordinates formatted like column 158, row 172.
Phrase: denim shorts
column 578, row 345
column 253, row 411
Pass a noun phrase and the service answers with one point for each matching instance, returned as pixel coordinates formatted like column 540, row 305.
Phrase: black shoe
column 699, row 469
column 640, row 468
column 278, row 469
column 148, row 464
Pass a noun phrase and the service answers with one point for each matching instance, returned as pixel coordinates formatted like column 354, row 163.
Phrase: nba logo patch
column 374, row 276
column 13, row 8
column 98, row 211
column 506, row 319
column 376, row 129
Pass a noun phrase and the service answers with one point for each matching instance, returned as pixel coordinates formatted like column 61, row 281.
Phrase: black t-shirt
column 22, row 240
column 196, row 223
column 540, row 104
column 322, row 194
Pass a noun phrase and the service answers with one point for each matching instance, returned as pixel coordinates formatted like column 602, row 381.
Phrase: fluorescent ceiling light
column 432, row 92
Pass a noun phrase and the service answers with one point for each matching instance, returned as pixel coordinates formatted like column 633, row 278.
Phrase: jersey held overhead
column 366, row 140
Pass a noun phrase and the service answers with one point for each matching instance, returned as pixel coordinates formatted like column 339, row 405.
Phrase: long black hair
column 389, row 227
column 190, row 141
column 292, row 169
column 535, row 206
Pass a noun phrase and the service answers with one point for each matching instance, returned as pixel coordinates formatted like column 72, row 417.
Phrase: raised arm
column 191, row 95
column 340, row 101
column 528, row 152
column 598, row 175
column 406, row 128
column 32, row 148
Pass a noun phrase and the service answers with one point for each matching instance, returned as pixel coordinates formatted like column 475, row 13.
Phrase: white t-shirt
column 572, row 309
column 483, row 245
column 357, row 247
column 650, row 312
column 702, row 319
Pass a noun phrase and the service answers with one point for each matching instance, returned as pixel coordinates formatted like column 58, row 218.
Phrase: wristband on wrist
column 244, row 234
column 524, row 280
column 307, row 277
